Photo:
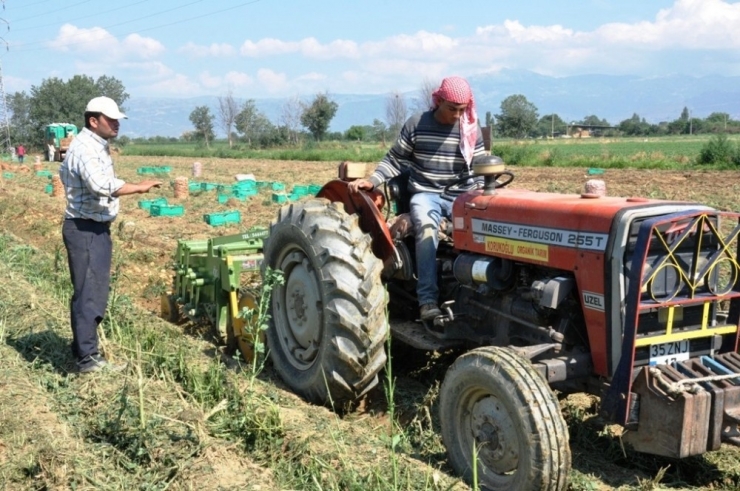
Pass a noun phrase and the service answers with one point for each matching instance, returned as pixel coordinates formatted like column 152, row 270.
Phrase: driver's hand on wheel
column 363, row 184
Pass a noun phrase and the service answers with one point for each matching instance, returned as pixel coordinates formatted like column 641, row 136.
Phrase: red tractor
column 631, row 299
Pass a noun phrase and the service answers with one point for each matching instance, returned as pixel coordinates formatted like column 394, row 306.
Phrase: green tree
column 594, row 120
column 253, row 126
column 489, row 119
column 355, row 133
column 551, row 125
column 518, row 117
column 379, row 131
column 635, row 126
column 202, row 120
column 245, row 119
column 57, row 101
column 21, row 129
column 719, row 122
column 317, row 116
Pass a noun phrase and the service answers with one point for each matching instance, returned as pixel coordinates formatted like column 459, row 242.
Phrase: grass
column 615, row 153
column 173, row 404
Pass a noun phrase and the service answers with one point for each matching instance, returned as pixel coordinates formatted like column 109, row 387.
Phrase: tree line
column 55, row 101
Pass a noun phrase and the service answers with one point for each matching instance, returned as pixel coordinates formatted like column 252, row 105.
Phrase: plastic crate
column 208, row 186
column 299, row 190
column 263, row 184
column 194, row 186
column 279, row 197
column 278, row 186
column 8, row 175
column 314, row 189
column 48, row 188
column 146, row 204
column 166, row 210
column 245, row 184
column 223, row 218
column 44, row 173
column 164, row 169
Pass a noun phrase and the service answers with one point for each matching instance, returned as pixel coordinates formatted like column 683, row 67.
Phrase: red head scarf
column 457, row 90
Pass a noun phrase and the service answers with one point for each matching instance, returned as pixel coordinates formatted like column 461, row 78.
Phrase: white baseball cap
column 105, row 105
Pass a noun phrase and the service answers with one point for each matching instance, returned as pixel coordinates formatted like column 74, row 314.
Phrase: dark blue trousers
column 89, row 252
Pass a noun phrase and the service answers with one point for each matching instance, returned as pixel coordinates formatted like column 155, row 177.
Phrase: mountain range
column 614, row 98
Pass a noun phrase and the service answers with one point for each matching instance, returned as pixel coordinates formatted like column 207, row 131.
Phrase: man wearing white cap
column 92, row 191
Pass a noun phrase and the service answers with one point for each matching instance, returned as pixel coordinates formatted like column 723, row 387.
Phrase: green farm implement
column 212, row 284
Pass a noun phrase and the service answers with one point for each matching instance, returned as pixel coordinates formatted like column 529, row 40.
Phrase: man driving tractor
column 436, row 148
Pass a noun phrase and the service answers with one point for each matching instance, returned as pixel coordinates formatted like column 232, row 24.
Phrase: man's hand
column 363, row 184
column 149, row 184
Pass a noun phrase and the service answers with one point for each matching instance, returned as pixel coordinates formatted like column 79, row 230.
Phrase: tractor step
column 416, row 335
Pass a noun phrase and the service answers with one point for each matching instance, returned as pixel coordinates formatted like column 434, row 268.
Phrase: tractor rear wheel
column 495, row 401
column 327, row 325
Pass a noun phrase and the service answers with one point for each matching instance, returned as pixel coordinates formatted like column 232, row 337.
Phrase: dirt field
column 46, row 437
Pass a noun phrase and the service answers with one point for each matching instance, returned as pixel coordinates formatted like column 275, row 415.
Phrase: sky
column 285, row 48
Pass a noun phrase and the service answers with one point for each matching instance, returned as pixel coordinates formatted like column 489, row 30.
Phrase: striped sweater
column 429, row 151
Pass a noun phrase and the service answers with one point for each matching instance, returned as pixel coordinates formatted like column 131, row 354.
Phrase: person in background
column 92, row 191
column 21, row 152
column 51, row 150
column 437, row 148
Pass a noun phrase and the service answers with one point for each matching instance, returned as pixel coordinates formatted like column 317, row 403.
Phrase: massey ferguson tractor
column 631, row 299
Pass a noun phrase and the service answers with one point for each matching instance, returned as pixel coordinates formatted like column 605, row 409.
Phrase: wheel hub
column 495, row 435
column 303, row 327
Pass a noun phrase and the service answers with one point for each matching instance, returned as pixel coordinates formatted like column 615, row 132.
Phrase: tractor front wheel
column 502, row 423
column 327, row 325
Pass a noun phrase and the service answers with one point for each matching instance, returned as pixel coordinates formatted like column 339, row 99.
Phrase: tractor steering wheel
column 454, row 189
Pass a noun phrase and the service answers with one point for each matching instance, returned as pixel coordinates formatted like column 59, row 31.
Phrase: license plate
column 665, row 353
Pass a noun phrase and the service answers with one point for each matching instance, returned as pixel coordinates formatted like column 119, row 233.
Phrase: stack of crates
column 278, row 192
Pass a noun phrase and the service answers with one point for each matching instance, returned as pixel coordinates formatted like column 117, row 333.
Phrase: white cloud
column 308, row 47
column 209, row 81
column 238, row 79
column 140, row 46
column 419, row 45
column 267, row 47
column 273, row 82
column 178, row 85
column 689, row 24
column 312, row 77
column 97, row 41
column 149, row 70
column 218, row 50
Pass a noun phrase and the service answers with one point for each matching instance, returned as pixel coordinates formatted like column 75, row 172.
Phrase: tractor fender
column 366, row 205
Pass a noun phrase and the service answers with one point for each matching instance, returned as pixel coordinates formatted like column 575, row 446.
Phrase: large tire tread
column 352, row 301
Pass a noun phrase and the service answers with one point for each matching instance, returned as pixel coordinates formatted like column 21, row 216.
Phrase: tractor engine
column 508, row 303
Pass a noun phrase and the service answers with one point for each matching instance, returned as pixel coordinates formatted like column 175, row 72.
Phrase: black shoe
column 96, row 363
column 429, row 311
